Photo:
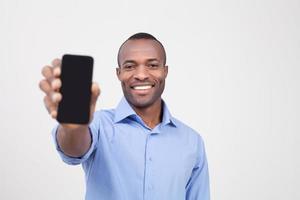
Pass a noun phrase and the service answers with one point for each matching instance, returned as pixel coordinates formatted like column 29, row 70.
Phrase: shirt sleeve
column 77, row 160
column 198, row 185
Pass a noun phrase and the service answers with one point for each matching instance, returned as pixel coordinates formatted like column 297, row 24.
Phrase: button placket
column 149, row 169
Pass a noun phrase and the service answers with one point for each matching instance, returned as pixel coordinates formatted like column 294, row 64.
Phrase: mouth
column 142, row 89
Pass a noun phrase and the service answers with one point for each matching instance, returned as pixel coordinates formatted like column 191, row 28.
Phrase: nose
column 141, row 73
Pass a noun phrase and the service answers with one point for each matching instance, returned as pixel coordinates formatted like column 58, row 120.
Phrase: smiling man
column 137, row 151
column 142, row 72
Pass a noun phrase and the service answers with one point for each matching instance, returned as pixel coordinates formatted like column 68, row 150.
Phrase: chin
column 140, row 102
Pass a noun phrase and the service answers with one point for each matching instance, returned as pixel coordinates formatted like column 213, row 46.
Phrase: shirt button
column 150, row 159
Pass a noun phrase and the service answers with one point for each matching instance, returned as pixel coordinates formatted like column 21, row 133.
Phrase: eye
column 128, row 67
column 153, row 65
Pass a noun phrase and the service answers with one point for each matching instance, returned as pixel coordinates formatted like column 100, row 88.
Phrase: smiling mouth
column 142, row 87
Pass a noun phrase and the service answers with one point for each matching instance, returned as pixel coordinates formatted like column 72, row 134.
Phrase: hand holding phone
column 76, row 78
column 59, row 88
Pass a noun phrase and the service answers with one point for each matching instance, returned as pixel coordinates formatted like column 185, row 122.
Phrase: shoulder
column 188, row 132
column 186, row 128
column 105, row 113
column 105, row 116
column 191, row 140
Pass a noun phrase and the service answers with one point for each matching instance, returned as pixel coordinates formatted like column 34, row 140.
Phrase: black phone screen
column 76, row 78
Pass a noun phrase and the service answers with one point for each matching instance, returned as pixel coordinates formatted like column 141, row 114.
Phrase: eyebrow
column 152, row 59
column 128, row 61
column 132, row 61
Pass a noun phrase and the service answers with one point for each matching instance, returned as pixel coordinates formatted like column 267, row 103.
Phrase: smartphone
column 76, row 78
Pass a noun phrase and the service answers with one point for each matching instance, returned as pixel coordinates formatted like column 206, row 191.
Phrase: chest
column 161, row 158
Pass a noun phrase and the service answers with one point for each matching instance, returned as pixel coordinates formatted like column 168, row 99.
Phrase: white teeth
column 142, row 87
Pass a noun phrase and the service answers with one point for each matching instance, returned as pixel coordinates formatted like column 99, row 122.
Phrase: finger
column 53, row 114
column 56, row 84
column 45, row 86
column 56, row 62
column 56, row 71
column 47, row 72
column 95, row 92
column 56, row 97
column 50, row 106
column 56, row 67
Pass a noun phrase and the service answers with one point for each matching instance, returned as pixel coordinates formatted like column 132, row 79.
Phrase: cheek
column 161, row 74
column 160, row 77
column 124, row 78
column 124, row 85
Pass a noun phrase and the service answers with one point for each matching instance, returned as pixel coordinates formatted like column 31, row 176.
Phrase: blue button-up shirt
column 127, row 160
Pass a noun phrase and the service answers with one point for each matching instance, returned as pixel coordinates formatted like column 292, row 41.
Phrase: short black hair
column 142, row 35
column 145, row 36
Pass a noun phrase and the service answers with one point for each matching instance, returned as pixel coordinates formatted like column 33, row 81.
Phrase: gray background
column 234, row 77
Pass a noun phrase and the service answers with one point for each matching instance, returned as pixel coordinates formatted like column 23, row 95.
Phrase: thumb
column 94, row 96
column 95, row 93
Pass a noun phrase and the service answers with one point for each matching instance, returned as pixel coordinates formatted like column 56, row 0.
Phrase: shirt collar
column 124, row 110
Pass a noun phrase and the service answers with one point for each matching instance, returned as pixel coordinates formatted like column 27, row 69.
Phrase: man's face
column 142, row 72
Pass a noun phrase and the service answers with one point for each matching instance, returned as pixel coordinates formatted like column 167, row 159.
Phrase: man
column 137, row 151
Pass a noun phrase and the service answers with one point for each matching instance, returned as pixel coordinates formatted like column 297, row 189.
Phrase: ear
column 118, row 72
column 166, row 70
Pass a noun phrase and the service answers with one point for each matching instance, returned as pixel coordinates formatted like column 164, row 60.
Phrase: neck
column 151, row 115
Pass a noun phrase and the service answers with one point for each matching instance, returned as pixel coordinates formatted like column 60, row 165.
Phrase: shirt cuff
column 74, row 160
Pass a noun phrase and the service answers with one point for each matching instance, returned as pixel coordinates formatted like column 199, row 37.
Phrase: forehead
column 141, row 49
